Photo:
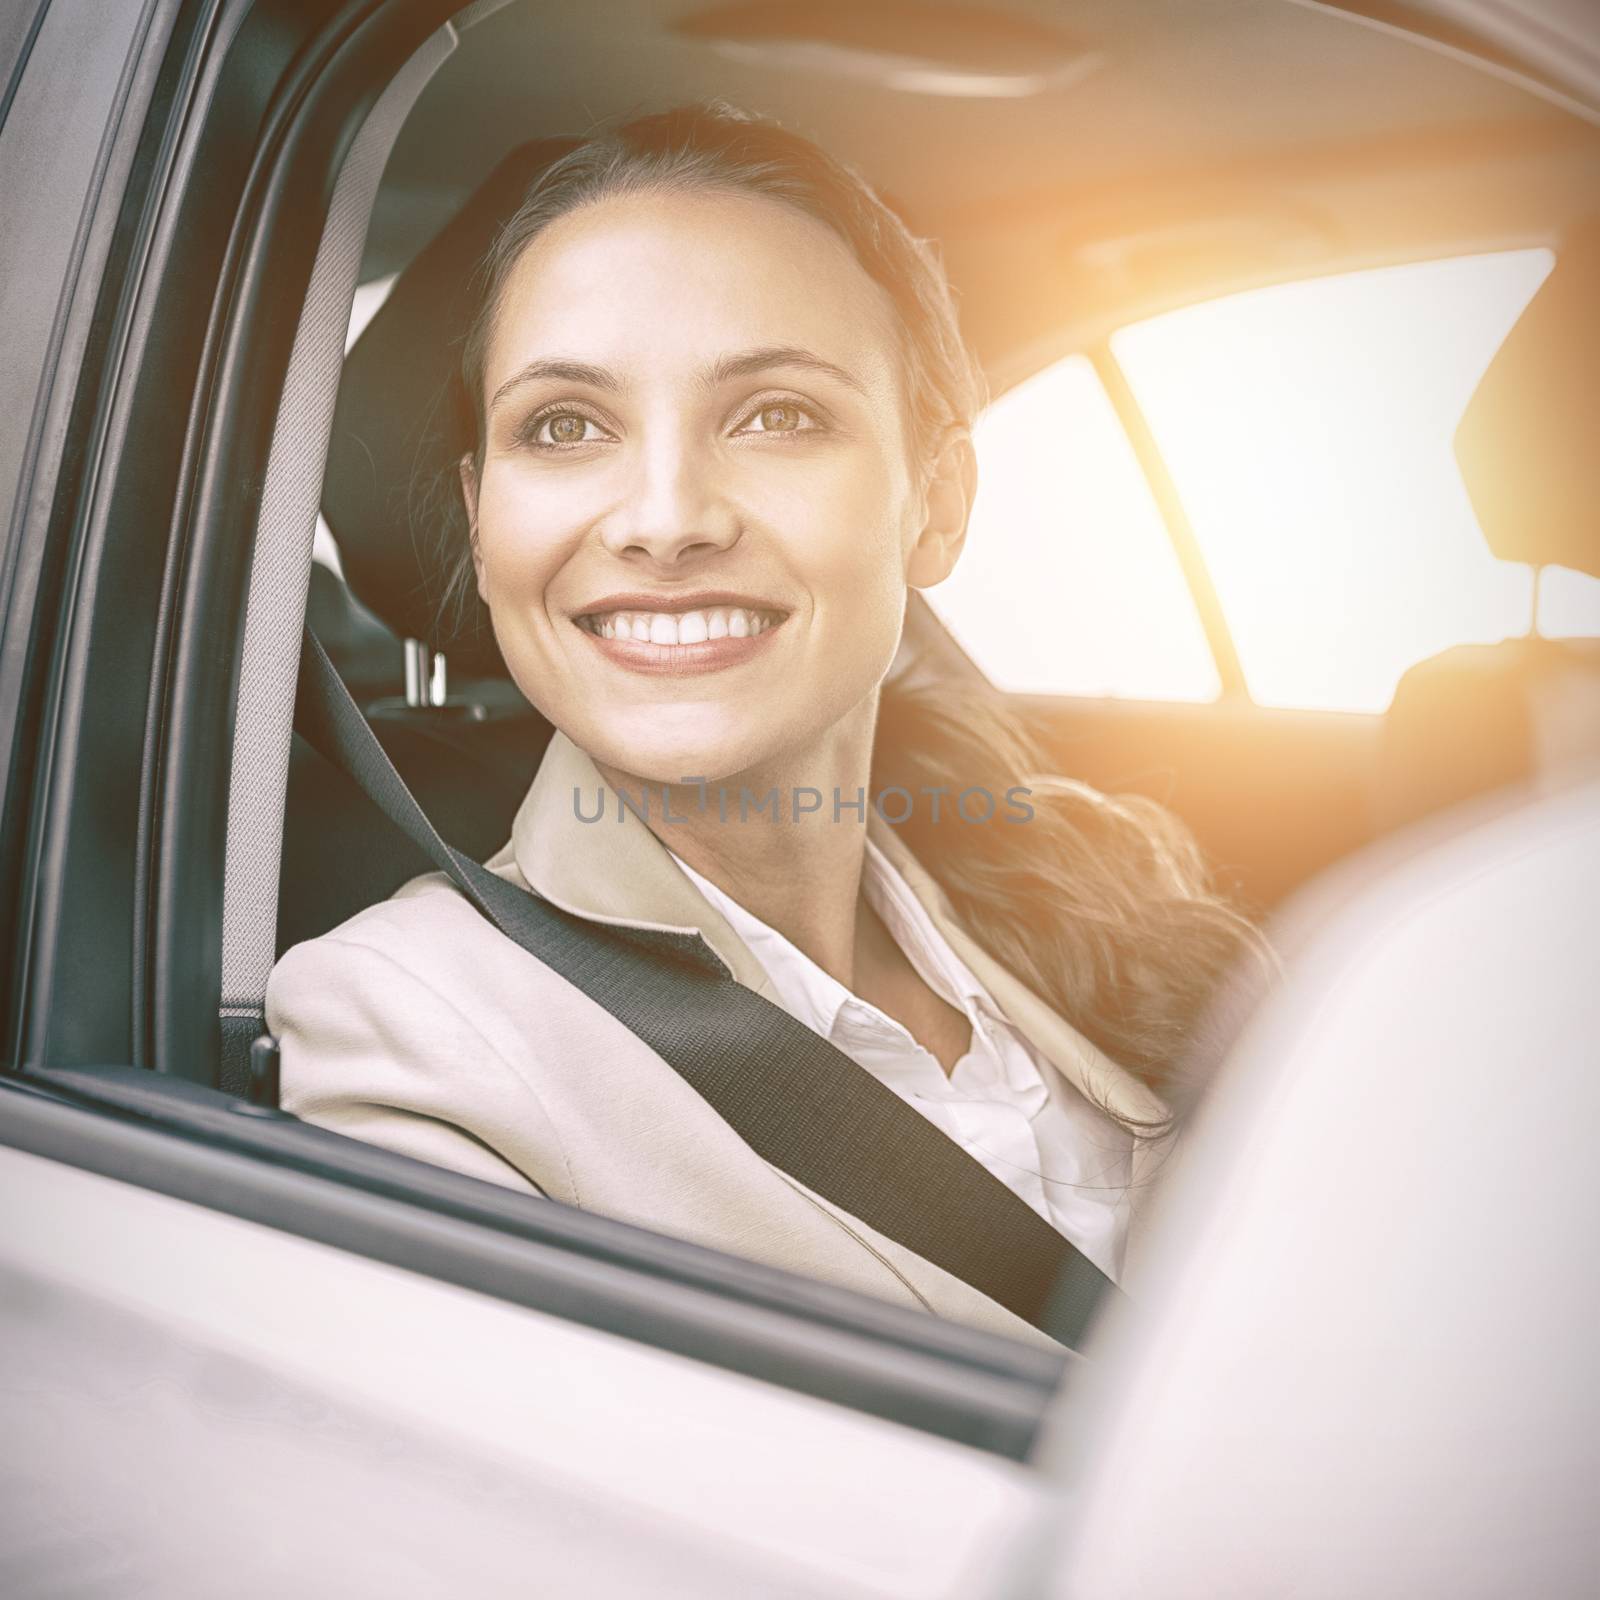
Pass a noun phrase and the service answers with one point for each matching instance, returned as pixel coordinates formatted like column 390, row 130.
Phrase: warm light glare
column 1069, row 584
column 1308, row 428
column 1569, row 604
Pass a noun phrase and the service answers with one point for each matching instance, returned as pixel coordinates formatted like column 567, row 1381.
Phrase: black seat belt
column 795, row 1099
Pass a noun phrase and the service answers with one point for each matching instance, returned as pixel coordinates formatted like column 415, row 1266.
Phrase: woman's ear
column 468, row 470
column 947, row 500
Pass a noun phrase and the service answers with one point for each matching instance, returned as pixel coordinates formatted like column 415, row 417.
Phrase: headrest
column 1527, row 444
column 398, row 426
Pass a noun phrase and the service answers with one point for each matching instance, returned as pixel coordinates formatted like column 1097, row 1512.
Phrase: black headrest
column 1529, row 444
column 397, row 428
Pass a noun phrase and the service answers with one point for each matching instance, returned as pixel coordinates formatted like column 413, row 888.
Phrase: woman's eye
column 557, row 428
column 781, row 417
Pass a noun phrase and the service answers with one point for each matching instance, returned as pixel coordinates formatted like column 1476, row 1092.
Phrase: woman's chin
column 657, row 755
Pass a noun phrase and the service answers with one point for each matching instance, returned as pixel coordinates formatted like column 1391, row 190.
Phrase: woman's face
column 697, row 514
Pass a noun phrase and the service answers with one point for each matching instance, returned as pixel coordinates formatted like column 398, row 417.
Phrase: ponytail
column 1101, row 904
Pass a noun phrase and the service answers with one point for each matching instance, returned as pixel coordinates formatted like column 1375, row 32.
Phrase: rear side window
column 1309, row 430
column 1068, row 583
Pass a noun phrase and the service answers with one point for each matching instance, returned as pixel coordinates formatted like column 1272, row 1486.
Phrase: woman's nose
column 673, row 510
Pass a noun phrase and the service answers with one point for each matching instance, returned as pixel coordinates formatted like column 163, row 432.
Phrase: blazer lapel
column 613, row 869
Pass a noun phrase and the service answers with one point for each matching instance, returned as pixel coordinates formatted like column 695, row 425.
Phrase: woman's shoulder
column 404, row 986
column 417, row 1025
column 412, row 920
column 426, row 938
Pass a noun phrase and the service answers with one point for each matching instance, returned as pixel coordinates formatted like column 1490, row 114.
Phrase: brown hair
column 1101, row 905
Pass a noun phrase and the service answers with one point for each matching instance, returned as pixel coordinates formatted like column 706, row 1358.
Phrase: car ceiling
column 1082, row 163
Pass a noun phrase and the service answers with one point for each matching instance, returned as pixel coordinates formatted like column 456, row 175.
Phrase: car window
column 1308, row 428
column 1068, row 583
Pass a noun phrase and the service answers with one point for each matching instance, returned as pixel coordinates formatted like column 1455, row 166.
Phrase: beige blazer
column 418, row 1026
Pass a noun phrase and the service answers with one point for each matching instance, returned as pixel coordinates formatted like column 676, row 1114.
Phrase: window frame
column 40, row 541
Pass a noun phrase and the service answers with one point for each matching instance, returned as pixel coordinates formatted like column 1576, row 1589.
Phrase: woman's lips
column 705, row 655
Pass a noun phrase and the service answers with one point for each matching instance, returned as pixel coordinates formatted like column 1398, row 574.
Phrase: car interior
column 1062, row 215
column 1083, row 169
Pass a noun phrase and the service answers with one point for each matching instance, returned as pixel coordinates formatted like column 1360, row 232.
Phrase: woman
column 720, row 425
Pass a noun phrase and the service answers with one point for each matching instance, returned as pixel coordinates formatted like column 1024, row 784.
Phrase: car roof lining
column 1205, row 149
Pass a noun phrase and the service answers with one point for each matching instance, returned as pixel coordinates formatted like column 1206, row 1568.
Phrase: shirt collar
column 805, row 990
column 912, row 927
column 818, row 999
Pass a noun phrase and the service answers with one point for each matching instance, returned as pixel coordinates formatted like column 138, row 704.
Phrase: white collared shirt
column 1000, row 1103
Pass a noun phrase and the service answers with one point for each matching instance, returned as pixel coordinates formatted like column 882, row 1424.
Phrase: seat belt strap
column 798, row 1101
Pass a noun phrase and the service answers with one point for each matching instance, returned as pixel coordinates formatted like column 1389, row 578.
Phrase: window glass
column 1569, row 604
column 1308, row 428
column 1068, row 583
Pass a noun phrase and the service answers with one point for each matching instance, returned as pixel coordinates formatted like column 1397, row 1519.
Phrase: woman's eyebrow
column 750, row 362
column 558, row 369
column 747, row 363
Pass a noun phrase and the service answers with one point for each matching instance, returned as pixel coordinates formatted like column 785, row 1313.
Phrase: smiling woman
column 716, row 424
column 615, row 483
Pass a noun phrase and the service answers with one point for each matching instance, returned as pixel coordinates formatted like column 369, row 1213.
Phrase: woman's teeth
column 682, row 627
